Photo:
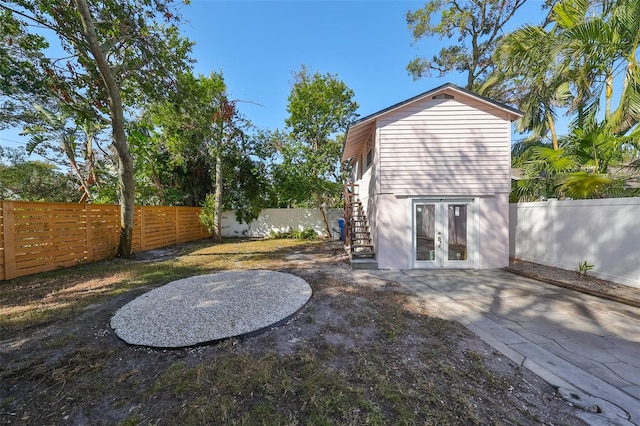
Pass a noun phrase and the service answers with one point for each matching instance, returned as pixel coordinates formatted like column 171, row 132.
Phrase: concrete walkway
column 586, row 346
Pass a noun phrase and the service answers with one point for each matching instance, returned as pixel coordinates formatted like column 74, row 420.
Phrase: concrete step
column 363, row 255
column 364, row 263
column 355, row 247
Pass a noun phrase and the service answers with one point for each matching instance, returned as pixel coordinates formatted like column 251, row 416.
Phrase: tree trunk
column 552, row 129
column 608, row 94
column 327, row 228
column 119, row 137
column 218, row 200
column 323, row 212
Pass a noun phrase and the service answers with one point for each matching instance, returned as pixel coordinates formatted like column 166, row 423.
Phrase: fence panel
column 46, row 236
column 188, row 226
column 278, row 220
column 103, row 231
column 602, row 232
column 38, row 237
column 159, row 228
column 2, row 210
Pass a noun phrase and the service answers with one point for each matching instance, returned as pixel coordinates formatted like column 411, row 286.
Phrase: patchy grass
column 53, row 296
column 363, row 351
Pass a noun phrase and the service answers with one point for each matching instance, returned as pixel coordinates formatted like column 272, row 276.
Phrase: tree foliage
column 23, row 66
column 71, row 145
column 25, row 180
column 320, row 109
column 474, row 28
column 200, row 145
column 119, row 53
column 585, row 65
column 528, row 73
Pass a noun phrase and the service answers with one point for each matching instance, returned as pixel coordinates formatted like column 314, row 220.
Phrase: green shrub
column 299, row 234
column 305, row 234
column 208, row 214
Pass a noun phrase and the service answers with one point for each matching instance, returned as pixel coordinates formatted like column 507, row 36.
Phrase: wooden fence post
column 143, row 242
column 200, row 225
column 9, row 240
column 175, row 208
column 88, row 223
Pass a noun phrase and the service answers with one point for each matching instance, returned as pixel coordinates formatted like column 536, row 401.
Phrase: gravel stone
column 206, row 308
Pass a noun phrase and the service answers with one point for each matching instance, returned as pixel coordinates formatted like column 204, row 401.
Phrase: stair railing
column 350, row 190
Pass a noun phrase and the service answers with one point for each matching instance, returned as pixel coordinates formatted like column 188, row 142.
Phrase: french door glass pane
column 457, row 219
column 425, row 231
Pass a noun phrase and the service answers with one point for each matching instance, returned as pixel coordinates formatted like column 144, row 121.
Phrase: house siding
column 449, row 147
column 393, row 247
column 494, row 231
column 437, row 149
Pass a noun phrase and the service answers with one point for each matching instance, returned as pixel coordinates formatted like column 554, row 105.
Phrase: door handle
column 439, row 241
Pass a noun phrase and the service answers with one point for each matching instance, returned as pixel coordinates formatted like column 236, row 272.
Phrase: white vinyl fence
column 279, row 220
column 604, row 233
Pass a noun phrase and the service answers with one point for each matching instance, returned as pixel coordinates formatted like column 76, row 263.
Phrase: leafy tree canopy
column 118, row 54
column 585, row 64
column 206, row 146
column 25, row 180
column 474, row 28
column 320, row 109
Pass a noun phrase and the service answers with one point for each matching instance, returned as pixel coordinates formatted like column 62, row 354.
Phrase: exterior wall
column 563, row 234
column 278, row 220
column 493, row 232
column 395, row 223
column 394, row 246
column 367, row 184
column 444, row 146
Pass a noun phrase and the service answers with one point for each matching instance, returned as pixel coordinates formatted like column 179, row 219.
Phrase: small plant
column 208, row 214
column 305, row 234
column 279, row 235
column 299, row 234
column 583, row 268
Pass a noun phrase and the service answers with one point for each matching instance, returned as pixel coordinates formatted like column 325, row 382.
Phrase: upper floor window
column 369, row 156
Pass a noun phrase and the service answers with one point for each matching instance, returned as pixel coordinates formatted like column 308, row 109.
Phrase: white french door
column 443, row 233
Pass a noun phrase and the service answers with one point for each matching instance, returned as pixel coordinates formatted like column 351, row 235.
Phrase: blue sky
column 257, row 45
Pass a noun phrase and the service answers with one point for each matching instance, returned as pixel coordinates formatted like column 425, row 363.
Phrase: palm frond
column 569, row 13
column 33, row 143
column 581, row 185
column 551, row 160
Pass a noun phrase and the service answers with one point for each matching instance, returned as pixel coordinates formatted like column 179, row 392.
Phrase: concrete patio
column 586, row 346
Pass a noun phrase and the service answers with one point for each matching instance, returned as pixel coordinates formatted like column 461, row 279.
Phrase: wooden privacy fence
column 38, row 237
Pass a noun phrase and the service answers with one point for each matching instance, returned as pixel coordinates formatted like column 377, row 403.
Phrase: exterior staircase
column 357, row 233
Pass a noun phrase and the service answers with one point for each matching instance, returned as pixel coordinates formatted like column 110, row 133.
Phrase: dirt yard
column 358, row 353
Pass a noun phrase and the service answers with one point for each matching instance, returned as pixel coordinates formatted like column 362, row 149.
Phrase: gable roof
column 358, row 131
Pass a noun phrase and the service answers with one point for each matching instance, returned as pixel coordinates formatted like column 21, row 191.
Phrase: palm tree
column 594, row 46
column 526, row 59
column 598, row 48
column 53, row 128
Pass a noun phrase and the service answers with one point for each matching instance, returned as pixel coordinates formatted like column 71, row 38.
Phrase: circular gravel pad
column 206, row 308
